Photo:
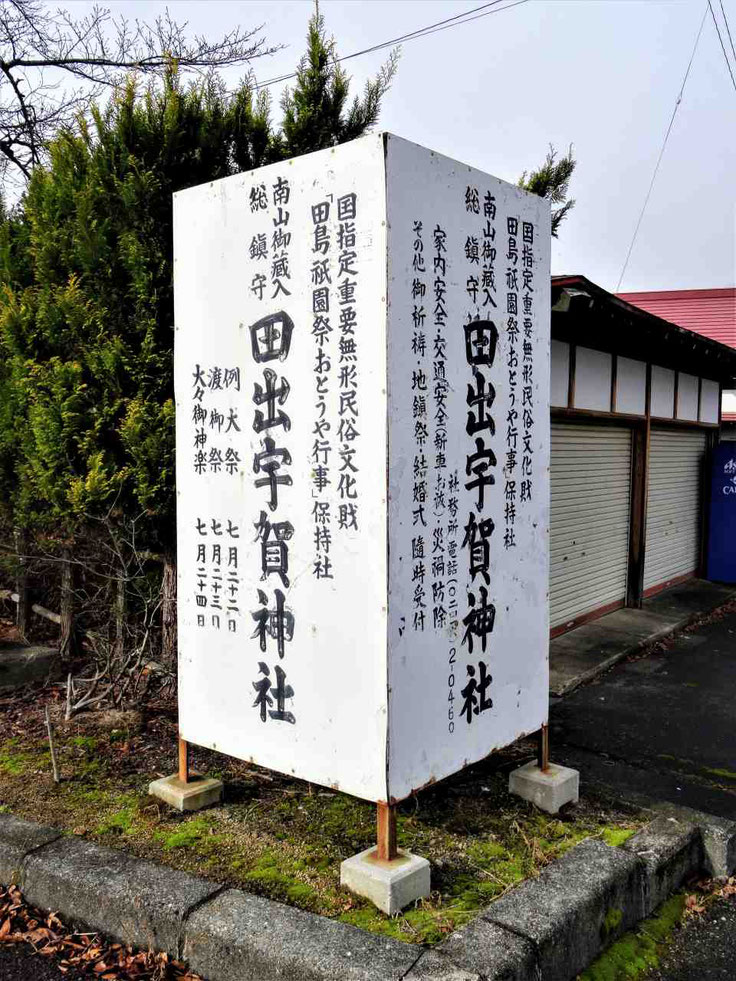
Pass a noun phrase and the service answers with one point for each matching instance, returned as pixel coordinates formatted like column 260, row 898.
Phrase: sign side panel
column 280, row 392
column 469, row 322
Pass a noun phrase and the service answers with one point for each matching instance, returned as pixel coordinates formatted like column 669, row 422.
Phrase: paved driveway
column 659, row 728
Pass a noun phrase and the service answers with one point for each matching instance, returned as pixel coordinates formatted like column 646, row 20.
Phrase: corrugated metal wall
column 589, row 520
column 674, row 504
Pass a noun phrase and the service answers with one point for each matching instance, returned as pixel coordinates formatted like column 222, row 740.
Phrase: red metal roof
column 711, row 313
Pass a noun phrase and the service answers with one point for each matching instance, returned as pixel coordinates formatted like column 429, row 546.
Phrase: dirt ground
column 279, row 837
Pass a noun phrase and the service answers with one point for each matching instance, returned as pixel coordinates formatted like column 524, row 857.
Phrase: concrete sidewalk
column 587, row 651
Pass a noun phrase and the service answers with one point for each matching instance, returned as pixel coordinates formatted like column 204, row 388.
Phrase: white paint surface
column 559, row 373
column 336, row 662
column 687, row 397
column 359, row 673
column 631, row 386
column 709, row 399
column 663, row 392
column 592, row 379
column 429, row 737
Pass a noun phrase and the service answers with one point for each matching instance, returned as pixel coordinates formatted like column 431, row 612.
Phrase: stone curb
column 547, row 929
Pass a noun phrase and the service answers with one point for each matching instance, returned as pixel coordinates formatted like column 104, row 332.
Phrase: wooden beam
column 638, row 514
column 183, row 760
column 543, row 748
column 386, row 831
column 705, row 502
column 614, row 381
column 571, row 378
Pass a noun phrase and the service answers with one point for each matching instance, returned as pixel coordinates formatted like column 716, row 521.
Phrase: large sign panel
column 469, row 260
column 362, row 345
column 280, row 285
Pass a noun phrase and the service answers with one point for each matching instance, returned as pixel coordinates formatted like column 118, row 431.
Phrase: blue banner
column 722, row 538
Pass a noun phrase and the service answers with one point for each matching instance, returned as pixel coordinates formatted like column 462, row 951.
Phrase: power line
column 441, row 25
column 723, row 46
column 725, row 21
column 664, row 145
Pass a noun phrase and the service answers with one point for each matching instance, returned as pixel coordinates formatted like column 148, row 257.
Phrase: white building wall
column 631, row 386
column 662, row 397
column 593, row 372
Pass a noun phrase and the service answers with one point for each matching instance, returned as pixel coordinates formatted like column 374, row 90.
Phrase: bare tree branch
column 39, row 47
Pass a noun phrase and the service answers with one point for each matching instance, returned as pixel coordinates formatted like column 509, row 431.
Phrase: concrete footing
column 196, row 793
column 390, row 885
column 549, row 789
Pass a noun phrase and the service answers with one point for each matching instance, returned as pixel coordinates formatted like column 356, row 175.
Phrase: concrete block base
column 390, row 885
column 549, row 789
column 199, row 792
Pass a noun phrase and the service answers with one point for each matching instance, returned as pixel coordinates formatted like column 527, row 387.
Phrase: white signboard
column 362, row 391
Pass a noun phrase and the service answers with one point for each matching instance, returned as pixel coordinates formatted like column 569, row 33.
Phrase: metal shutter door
column 589, row 519
column 673, row 505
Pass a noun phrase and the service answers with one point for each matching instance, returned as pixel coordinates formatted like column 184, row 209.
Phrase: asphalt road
column 16, row 964
column 705, row 950
column 661, row 727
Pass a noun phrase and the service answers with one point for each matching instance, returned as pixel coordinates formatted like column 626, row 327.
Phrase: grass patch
column 637, row 952
column 188, row 835
column 87, row 743
column 284, row 839
column 17, row 759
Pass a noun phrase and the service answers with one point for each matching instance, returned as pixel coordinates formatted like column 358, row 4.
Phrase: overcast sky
column 600, row 74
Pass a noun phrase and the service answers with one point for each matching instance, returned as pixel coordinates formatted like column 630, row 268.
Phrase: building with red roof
column 710, row 313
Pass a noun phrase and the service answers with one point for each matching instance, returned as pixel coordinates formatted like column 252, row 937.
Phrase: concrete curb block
column 671, row 850
column 547, row 929
column 17, row 840
column 575, row 907
column 718, row 838
column 238, row 936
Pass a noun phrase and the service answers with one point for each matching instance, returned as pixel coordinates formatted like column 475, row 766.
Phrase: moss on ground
column 720, row 772
column 285, row 839
column 638, row 952
column 617, row 836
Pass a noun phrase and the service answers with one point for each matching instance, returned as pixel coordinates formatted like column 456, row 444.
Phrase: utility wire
column 664, row 145
column 723, row 46
column 725, row 21
column 441, row 25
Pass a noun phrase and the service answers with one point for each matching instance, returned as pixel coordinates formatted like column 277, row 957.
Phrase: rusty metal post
column 386, row 831
column 183, row 760
column 543, row 756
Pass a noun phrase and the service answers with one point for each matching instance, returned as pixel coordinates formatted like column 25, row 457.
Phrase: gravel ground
column 18, row 965
column 705, row 950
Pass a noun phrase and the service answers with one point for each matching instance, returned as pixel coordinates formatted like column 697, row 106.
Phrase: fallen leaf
column 694, row 905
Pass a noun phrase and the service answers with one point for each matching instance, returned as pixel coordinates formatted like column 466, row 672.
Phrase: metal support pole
column 183, row 760
column 386, row 831
column 543, row 757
